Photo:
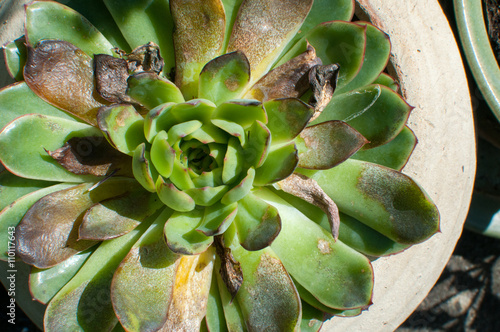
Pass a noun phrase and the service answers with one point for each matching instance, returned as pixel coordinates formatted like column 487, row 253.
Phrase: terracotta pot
column 426, row 60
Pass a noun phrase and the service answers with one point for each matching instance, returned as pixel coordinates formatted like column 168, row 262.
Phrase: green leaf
column 76, row 301
column 233, row 161
column 44, row 284
column 327, row 144
column 224, row 78
column 182, row 236
column 383, row 199
column 142, row 286
column 260, row 33
column 162, row 154
column 52, row 20
column 18, row 99
column 199, row 27
column 152, row 90
column 207, row 196
column 337, row 42
column 216, row 322
column 324, row 11
column 12, row 214
column 388, row 81
column 377, row 52
column 45, row 133
column 144, row 21
column 181, row 130
column 257, row 223
column 312, row 318
column 15, row 57
column 287, row 118
column 241, row 189
column 280, row 163
column 335, row 274
column 117, row 216
column 376, row 111
column 394, row 154
column 13, row 187
column 143, row 169
column 259, row 141
column 97, row 13
column 47, row 234
column 217, row 218
column 173, row 197
column 267, row 289
column 242, row 112
column 123, row 127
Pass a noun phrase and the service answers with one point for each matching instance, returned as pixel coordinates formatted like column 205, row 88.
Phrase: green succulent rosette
column 202, row 165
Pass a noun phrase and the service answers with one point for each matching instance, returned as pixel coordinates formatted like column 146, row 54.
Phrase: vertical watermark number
column 11, row 275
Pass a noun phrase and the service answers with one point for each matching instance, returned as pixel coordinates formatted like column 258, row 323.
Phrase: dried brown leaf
column 111, row 76
column 323, row 81
column 230, row 269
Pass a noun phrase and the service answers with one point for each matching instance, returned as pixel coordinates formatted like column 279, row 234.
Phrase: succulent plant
column 186, row 165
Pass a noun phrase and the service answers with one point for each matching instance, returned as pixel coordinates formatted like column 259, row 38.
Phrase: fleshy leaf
column 312, row 318
column 286, row 81
column 199, row 27
column 52, row 20
column 224, row 77
column 151, row 90
column 217, row 218
column 190, row 293
column 142, row 286
column 377, row 52
column 327, row 144
column 243, row 112
column 287, row 118
column 207, row 196
column 257, row 223
column 85, row 301
column 17, row 99
column 279, row 164
column 233, row 161
column 182, row 236
column 91, row 155
column 63, row 75
column 259, row 141
column 162, row 154
column 142, row 168
column 265, row 280
column 263, row 28
column 116, row 216
column 123, row 127
column 376, row 111
column 181, row 130
column 144, row 21
column 385, row 200
column 13, row 187
column 388, row 81
column 15, row 54
column 393, row 154
column 215, row 319
column 241, row 189
column 232, row 129
column 337, row 42
column 47, row 235
column 45, row 133
column 173, row 197
column 45, row 283
column 13, row 213
column 338, row 276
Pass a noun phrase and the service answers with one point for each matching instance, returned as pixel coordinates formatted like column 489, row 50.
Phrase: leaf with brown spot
column 323, row 81
column 92, row 155
column 48, row 233
column 63, row 75
column 118, row 215
column 328, row 144
column 307, row 189
column 111, row 76
column 288, row 80
column 230, row 269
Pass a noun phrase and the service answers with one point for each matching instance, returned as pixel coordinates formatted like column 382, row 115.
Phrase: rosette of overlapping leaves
column 220, row 165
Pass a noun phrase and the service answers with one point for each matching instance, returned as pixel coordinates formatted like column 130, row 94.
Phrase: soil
column 493, row 23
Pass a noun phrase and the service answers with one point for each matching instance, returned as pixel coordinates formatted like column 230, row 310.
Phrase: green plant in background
column 220, row 165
